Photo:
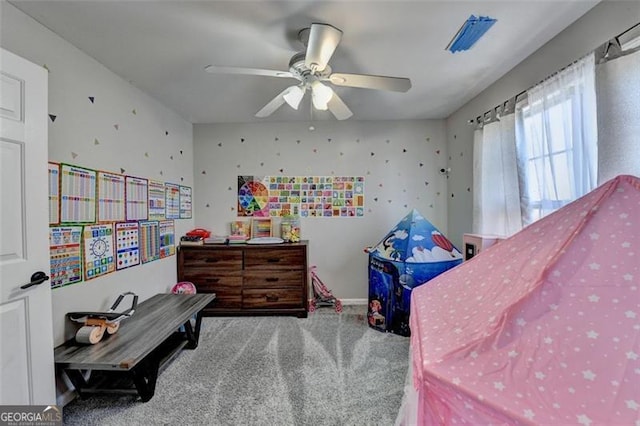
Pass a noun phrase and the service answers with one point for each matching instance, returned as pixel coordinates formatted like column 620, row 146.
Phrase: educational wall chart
column 149, row 241
column 54, row 193
column 167, row 238
column 77, row 195
column 137, row 198
column 127, row 245
column 157, row 200
column 66, row 255
column 98, row 250
column 173, row 201
column 305, row 196
column 185, row 202
column 253, row 196
column 111, row 196
column 102, row 201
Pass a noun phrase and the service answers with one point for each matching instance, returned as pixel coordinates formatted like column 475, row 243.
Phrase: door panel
column 26, row 332
column 15, row 383
column 12, row 226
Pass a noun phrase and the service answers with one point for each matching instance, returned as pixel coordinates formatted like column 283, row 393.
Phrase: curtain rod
column 494, row 114
column 607, row 51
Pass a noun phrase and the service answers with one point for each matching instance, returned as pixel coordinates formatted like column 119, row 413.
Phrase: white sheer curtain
column 496, row 202
column 557, row 140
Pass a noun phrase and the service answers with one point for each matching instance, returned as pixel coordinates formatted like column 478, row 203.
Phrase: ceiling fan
column 313, row 72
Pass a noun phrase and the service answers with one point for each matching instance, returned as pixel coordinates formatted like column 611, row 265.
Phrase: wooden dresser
column 249, row 279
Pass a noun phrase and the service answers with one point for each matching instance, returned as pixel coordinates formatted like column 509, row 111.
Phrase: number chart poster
column 54, row 193
column 66, row 255
column 185, row 202
column 173, row 201
column 111, row 195
column 77, row 195
column 137, row 198
column 127, row 245
column 149, row 241
column 167, row 238
column 157, row 202
column 305, row 196
column 98, row 250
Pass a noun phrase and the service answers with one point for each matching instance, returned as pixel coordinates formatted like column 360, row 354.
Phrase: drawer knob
column 273, row 260
column 213, row 280
column 271, row 279
column 211, row 260
column 272, row 298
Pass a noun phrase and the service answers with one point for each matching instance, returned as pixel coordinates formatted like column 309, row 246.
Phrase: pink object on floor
column 542, row 328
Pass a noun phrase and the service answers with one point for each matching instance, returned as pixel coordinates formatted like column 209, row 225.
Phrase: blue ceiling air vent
column 470, row 32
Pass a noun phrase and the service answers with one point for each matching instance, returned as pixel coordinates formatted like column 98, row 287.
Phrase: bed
column 541, row 328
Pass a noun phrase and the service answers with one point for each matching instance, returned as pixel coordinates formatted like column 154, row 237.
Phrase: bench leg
column 78, row 381
column 193, row 334
column 144, row 377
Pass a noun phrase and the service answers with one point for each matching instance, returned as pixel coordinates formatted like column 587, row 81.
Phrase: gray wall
column 154, row 143
column 400, row 161
column 604, row 21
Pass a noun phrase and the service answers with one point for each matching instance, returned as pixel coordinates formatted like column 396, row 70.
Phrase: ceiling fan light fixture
column 320, row 95
column 294, row 96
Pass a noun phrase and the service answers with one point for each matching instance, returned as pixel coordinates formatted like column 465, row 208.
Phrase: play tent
column 412, row 253
column 542, row 328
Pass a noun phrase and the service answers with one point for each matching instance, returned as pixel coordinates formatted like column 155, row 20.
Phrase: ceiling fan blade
column 214, row 69
column 338, row 108
column 323, row 40
column 379, row 82
column 273, row 104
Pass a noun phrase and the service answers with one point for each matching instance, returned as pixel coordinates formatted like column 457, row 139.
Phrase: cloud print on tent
column 421, row 254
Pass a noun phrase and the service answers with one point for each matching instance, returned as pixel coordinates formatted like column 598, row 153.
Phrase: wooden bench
column 130, row 360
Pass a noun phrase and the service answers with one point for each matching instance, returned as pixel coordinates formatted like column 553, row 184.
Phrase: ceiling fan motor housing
column 303, row 73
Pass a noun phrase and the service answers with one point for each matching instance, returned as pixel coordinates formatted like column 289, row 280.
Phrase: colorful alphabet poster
column 127, row 245
column 54, row 193
column 173, row 201
column 167, row 238
column 98, row 250
column 77, row 195
column 157, row 200
column 137, row 198
column 185, row 202
column 305, row 196
column 66, row 255
column 111, row 196
column 149, row 241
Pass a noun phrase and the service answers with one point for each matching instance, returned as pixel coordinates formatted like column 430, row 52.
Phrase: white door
column 26, row 332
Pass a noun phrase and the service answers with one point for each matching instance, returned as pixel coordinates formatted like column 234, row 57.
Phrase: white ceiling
column 162, row 47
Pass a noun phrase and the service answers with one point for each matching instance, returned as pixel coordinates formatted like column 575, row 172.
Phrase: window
column 556, row 138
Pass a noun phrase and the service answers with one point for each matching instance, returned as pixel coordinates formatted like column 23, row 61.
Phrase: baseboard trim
column 354, row 301
column 350, row 301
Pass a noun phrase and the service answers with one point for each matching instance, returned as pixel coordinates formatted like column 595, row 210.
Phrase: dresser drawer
column 219, row 259
column 211, row 274
column 274, row 258
column 271, row 298
column 273, row 279
column 228, row 289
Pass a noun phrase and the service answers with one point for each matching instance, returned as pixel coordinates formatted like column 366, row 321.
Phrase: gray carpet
column 328, row 369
